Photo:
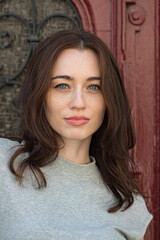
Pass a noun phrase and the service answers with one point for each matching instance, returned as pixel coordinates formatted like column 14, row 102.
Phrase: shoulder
column 138, row 204
column 7, row 147
column 135, row 219
column 139, row 209
column 5, row 142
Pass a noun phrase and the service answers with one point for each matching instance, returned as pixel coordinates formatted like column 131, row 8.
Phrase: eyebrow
column 66, row 77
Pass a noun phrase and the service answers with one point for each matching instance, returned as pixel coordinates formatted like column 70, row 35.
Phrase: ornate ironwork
column 34, row 31
column 19, row 36
column 10, row 39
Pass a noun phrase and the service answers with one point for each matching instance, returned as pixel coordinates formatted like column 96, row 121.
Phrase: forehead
column 77, row 60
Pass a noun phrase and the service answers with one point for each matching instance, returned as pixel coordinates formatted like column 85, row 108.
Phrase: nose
column 77, row 99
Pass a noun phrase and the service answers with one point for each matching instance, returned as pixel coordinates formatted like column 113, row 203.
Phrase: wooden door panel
column 136, row 55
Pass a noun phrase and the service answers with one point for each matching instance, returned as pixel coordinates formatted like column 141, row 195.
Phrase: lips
column 77, row 120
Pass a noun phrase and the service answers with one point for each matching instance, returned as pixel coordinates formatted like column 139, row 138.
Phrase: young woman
column 69, row 176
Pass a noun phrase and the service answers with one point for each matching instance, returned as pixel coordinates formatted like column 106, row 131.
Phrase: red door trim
column 85, row 11
column 156, row 198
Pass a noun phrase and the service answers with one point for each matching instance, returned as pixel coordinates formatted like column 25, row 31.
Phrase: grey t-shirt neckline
column 69, row 167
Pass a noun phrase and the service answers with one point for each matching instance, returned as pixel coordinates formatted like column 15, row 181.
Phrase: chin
column 77, row 136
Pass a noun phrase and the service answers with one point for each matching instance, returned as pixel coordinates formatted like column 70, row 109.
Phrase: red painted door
column 131, row 30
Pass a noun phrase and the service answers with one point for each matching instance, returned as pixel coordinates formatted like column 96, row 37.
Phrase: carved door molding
column 137, row 51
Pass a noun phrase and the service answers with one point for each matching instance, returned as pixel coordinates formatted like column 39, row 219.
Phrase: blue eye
column 61, row 86
column 94, row 87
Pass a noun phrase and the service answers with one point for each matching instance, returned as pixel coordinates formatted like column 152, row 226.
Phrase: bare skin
column 75, row 91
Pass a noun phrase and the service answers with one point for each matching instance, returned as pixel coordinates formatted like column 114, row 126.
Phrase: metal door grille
column 23, row 23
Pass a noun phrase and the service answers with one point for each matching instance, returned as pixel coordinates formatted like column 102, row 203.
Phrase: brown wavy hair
column 110, row 144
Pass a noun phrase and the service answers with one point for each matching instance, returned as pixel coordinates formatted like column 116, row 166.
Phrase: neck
column 76, row 151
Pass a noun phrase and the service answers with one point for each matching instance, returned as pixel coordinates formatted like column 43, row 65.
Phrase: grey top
column 73, row 206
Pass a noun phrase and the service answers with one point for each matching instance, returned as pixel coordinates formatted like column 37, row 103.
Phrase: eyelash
column 64, row 88
column 97, row 87
column 59, row 86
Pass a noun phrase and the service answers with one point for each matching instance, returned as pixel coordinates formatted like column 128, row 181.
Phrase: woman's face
column 74, row 103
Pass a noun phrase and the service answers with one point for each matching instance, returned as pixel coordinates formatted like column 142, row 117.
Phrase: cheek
column 101, row 107
column 54, row 113
column 51, row 105
column 102, row 113
column 99, row 111
column 49, row 110
column 101, row 117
